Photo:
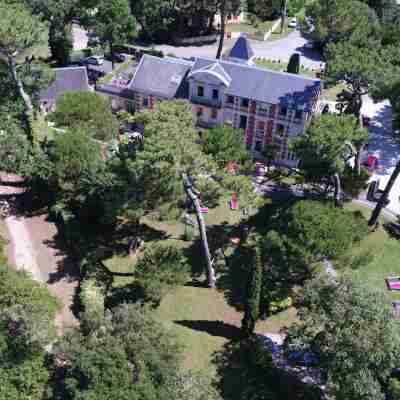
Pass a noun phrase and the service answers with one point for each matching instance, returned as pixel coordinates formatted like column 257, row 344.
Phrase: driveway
column 382, row 144
column 80, row 37
column 280, row 49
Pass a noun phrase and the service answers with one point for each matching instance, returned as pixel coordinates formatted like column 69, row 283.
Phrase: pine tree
column 252, row 306
column 294, row 64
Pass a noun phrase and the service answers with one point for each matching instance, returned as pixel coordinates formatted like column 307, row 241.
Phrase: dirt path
column 33, row 246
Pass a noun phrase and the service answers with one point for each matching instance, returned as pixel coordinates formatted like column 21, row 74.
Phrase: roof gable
column 216, row 70
column 161, row 77
column 70, row 79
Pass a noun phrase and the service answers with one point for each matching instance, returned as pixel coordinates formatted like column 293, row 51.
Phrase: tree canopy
column 88, row 111
column 359, row 351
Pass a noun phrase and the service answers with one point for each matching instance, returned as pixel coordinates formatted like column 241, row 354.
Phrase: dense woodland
column 105, row 194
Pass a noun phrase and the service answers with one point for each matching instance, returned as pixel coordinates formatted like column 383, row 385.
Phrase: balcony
column 201, row 123
column 206, row 101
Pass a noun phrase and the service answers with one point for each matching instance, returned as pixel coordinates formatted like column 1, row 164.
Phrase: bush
column 294, row 64
column 161, row 269
column 92, row 299
column 394, row 389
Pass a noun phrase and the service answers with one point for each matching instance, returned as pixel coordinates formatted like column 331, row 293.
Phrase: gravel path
column 33, row 246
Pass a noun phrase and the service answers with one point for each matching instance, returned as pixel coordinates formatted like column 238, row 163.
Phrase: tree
column 294, row 64
column 325, row 147
column 130, row 356
column 114, row 23
column 19, row 31
column 358, row 352
column 252, row 306
column 88, row 111
column 264, row 9
column 384, row 197
column 61, row 43
column 341, row 20
column 161, row 269
column 225, row 144
column 225, row 7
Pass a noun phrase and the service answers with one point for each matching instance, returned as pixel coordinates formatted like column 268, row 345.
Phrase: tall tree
column 252, row 305
column 19, row 31
column 326, row 146
column 114, row 23
column 225, row 7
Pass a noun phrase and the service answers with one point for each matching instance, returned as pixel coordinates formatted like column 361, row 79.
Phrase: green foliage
column 61, row 42
column 14, row 149
column 92, row 299
column 354, row 184
column 394, row 389
column 264, row 9
column 161, row 269
column 114, row 22
column 131, row 357
column 342, row 20
column 225, row 144
column 252, row 306
column 294, row 64
column 89, row 111
column 357, row 352
column 329, row 140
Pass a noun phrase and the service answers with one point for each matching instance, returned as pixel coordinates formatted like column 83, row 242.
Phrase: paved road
column 280, row 49
column 384, row 146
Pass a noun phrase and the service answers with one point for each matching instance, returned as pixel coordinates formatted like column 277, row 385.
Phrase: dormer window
column 200, row 91
column 215, row 94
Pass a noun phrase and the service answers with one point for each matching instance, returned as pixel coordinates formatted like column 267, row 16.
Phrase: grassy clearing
column 201, row 318
column 331, row 92
column 282, row 67
column 204, row 322
column 384, row 252
column 280, row 35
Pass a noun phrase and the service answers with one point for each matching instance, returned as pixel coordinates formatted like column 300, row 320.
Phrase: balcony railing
column 206, row 101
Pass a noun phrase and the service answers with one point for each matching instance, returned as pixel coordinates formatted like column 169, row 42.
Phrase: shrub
column 161, row 269
column 294, row 64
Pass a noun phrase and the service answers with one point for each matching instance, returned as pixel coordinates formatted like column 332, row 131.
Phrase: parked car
column 94, row 60
column 117, row 57
column 293, row 23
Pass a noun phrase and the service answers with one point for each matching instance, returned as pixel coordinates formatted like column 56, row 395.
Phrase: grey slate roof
column 66, row 80
column 161, row 77
column 242, row 49
column 264, row 85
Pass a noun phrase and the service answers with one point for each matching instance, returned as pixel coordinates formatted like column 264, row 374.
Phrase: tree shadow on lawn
column 213, row 328
column 392, row 229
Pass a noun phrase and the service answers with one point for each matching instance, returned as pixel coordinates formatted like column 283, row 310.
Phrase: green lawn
column 207, row 321
column 331, row 92
column 384, row 252
column 278, row 35
column 282, row 66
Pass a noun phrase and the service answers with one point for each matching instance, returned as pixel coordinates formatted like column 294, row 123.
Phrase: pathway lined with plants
column 33, row 245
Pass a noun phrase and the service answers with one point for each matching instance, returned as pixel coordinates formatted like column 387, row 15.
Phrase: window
column 298, row 114
column 258, row 146
column 283, row 111
column 199, row 112
column 200, row 91
column 214, row 113
column 230, row 99
column 280, row 129
column 145, row 101
column 245, row 103
column 243, row 122
column 261, row 125
column 215, row 94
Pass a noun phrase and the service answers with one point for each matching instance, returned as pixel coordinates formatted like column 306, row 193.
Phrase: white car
column 94, row 60
column 292, row 23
